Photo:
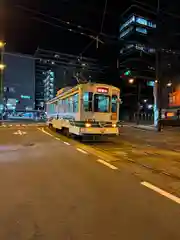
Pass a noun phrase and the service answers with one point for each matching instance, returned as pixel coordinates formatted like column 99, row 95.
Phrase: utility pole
column 2, row 66
column 157, row 84
column 138, row 101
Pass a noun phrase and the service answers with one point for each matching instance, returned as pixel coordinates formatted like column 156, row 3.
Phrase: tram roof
column 68, row 90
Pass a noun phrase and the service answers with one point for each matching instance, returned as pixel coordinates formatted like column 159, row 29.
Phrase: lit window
column 87, row 101
column 150, row 24
column 75, row 102
column 126, row 32
column 141, row 30
column 132, row 19
column 141, row 21
column 11, row 89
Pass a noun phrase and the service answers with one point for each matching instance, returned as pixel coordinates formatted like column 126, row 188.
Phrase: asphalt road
column 52, row 190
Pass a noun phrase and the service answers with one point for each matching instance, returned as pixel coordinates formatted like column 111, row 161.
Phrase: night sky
column 25, row 30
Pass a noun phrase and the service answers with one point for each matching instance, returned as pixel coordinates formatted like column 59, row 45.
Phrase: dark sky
column 24, row 31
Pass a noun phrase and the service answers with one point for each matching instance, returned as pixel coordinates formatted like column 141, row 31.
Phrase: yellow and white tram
column 86, row 109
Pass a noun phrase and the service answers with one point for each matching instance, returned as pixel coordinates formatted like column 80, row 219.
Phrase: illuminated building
column 136, row 52
column 18, row 82
column 136, row 57
column 54, row 70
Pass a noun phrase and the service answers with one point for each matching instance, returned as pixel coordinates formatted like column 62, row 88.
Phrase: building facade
column 19, row 82
column 137, row 60
column 54, row 70
column 137, row 53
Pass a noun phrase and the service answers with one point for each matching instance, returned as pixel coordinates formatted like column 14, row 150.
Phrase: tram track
column 120, row 151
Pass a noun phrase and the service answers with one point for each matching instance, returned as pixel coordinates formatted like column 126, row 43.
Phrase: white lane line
column 42, row 130
column 162, row 192
column 107, row 164
column 57, row 138
column 67, row 143
column 82, row 151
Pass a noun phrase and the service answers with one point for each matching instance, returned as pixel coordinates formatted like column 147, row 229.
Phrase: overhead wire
column 97, row 38
column 67, row 23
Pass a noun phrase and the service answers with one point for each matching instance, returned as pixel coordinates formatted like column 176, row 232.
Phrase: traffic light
column 127, row 73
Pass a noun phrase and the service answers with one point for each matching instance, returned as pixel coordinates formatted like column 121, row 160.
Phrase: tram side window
column 66, row 105
column 87, row 101
column 75, row 102
column 114, row 104
column 70, row 104
column 101, row 103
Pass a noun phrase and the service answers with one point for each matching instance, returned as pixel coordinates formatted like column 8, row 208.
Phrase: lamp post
column 2, row 67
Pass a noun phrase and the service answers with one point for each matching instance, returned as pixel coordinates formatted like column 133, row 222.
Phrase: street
column 54, row 189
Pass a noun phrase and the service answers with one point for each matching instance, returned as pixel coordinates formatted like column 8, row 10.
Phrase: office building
column 137, row 53
column 137, row 59
column 54, row 70
column 18, row 82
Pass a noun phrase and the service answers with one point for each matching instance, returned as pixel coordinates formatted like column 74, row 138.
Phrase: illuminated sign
column 150, row 83
column 25, row 97
column 102, row 90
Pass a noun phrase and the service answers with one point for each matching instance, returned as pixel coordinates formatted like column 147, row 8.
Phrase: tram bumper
column 99, row 131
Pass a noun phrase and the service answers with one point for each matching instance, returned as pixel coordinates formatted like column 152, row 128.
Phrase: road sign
column 150, row 83
column 19, row 132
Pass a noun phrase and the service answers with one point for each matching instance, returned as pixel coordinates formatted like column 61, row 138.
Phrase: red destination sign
column 102, row 90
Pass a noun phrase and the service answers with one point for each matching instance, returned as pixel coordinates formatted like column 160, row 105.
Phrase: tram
column 86, row 109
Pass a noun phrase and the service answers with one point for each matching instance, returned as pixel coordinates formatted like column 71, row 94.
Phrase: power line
column 97, row 38
column 57, row 19
column 62, row 27
column 104, row 13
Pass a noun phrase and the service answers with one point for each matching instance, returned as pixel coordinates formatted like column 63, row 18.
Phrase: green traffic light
column 127, row 73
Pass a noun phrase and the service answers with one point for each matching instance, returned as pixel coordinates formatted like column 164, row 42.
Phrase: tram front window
column 87, row 101
column 114, row 104
column 101, row 103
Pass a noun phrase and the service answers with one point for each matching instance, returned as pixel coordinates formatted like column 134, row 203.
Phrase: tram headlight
column 88, row 125
column 114, row 125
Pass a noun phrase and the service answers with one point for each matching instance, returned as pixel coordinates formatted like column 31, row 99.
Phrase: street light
column 2, row 67
column 2, row 44
column 169, row 84
column 131, row 80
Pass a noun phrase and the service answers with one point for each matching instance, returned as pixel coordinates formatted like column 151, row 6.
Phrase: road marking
column 107, row 164
column 82, row 151
column 42, row 130
column 67, row 143
column 19, row 132
column 162, row 192
column 57, row 139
